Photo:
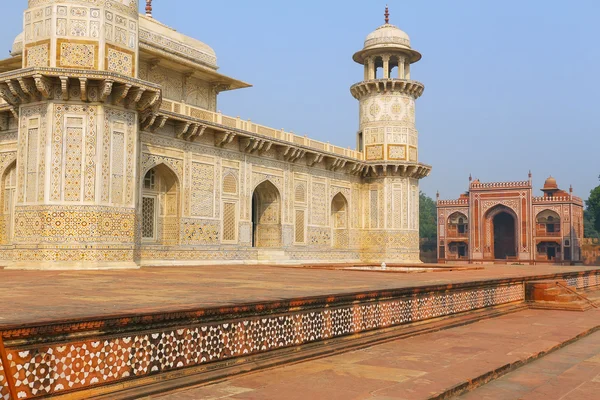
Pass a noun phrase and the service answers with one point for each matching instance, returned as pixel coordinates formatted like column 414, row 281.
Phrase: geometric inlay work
column 319, row 204
column 300, row 193
column 229, row 222
column 397, row 206
column 319, row 236
column 77, row 55
column 10, row 188
column 148, row 217
column 72, row 190
column 203, row 189
column 45, row 369
column 374, row 209
column 396, row 152
column 119, row 61
column 512, row 204
column 118, row 166
column 120, row 145
column 4, row 391
column 583, row 282
column 229, row 184
column 299, row 227
column 37, row 55
column 54, row 223
column 34, row 118
column 200, row 232
column 75, row 137
column 32, row 162
column 375, row 152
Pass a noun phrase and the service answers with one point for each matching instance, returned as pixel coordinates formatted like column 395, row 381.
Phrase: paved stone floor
column 571, row 373
column 429, row 364
column 45, row 296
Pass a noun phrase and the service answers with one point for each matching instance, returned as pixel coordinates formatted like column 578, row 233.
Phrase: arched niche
column 266, row 215
column 160, row 206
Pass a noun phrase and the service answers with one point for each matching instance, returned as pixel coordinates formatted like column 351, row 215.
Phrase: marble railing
column 249, row 126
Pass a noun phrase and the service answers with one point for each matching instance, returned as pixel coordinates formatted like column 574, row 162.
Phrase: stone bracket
column 224, row 138
column 254, row 145
column 313, row 159
column 293, row 154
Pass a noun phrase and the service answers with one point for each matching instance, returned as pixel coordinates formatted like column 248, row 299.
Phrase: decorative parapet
column 457, row 202
column 496, row 185
column 192, row 122
column 557, row 199
column 170, row 106
column 409, row 87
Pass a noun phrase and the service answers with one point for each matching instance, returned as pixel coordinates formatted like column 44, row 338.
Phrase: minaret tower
column 78, row 102
column 389, row 141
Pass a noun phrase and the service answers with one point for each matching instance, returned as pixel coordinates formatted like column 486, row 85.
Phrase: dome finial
column 149, row 8
column 387, row 14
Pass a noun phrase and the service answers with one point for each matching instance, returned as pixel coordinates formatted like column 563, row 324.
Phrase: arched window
column 457, row 225
column 300, row 194
column 378, row 65
column 229, row 184
column 548, row 223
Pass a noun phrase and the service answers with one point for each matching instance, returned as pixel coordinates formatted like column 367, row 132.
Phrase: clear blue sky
column 510, row 85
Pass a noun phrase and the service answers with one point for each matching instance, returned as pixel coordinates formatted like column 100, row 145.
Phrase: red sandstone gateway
column 502, row 222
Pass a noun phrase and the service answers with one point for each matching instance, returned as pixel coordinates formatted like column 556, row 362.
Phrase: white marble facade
column 112, row 154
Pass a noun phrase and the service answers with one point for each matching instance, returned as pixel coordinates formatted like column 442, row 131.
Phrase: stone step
column 551, row 293
column 567, row 297
column 272, row 255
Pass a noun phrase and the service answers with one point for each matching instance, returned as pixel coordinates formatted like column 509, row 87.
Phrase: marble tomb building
column 113, row 154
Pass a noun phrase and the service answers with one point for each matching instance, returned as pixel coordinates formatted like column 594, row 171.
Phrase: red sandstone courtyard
column 52, row 296
column 271, row 332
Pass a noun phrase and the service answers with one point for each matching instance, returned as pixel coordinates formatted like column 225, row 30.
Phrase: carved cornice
column 397, row 169
column 404, row 86
column 254, row 143
column 35, row 84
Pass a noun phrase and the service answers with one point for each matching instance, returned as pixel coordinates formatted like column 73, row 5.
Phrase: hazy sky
column 510, row 85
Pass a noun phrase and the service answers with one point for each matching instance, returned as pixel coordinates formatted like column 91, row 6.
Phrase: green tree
column 427, row 218
column 593, row 209
column 589, row 231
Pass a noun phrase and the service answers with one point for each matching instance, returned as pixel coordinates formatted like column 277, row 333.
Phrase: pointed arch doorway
column 160, row 206
column 505, row 236
column 339, row 221
column 266, row 216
